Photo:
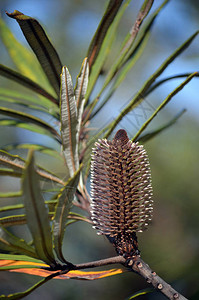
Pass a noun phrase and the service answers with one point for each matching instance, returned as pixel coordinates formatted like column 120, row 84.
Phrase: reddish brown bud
column 121, row 191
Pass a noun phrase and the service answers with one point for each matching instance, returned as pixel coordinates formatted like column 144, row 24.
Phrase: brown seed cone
column 121, row 191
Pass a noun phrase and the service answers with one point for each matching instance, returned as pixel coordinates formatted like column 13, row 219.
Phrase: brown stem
column 137, row 265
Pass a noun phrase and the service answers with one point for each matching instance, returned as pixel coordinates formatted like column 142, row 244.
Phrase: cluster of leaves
column 73, row 108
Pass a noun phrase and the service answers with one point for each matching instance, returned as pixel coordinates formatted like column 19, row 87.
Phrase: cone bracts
column 121, row 191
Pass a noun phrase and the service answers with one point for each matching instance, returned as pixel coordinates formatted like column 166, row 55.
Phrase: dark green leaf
column 69, row 122
column 37, row 213
column 23, row 58
column 145, row 138
column 42, row 47
column 162, row 105
column 11, row 243
column 102, row 29
column 24, row 117
column 141, row 93
column 25, row 81
column 63, row 207
column 132, row 57
column 105, row 48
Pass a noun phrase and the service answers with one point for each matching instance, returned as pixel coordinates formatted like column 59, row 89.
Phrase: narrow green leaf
column 81, row 84
column 162, row 81
column 63, row 207
column 132, row 57
column 162, row 105
column 23, row 58
column 10, row 172
column 69, row 122
column 144, row 29
column 40, row 148
column 37, row 213
column 26, row 126
column 17, row 219
column 122, row 75
column 10, row 195
column 141, row 93
column 11, row 243
column 130, row 41
column 26, row 82
column 28, row 291
column 140, row 293
column 145, row 138
column 107, row 19
column 18, row 164
column 42, row 47
column 19, row 257
column 24, row 117
column 19, row 97
column 80, row 92
column 105, row 47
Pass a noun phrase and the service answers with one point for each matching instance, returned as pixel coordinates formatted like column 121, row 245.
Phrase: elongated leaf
column 63, row 207
column 9, row 195
column 29, row 119
column 145, row 28
column 42, row 47
column 28, row 291
column 19, row 97
column 145, row 138
column 81, row 85
column 130, row 41
column 37, row 213
column 21, row 219
column 25, row 81
column 105, row 48
column 140, row 293
column 69, row 122
column 27, row 126
column 80, row 92
column 27, row 106
column 40, row 148
column 23, row 58
column 104, row 25
column 18, row 219
column 14, row 258
column 11, row 243
column 162, row 81
column 132, row 57
column 162, row 105
column 18, row 164
column 10, row 172
column 141, row 93
column 122, row 75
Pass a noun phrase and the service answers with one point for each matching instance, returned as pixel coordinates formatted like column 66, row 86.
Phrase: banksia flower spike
column 121, row 191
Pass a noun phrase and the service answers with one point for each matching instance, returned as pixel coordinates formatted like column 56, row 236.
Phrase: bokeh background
column 171, row 245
